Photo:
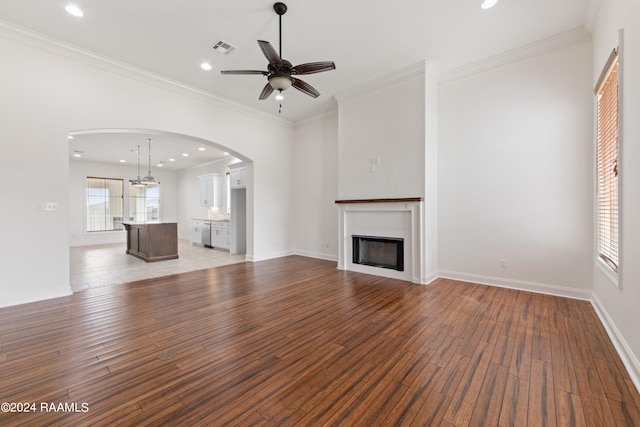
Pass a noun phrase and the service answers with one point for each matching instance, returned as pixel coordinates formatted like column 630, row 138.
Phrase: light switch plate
column 46, row 206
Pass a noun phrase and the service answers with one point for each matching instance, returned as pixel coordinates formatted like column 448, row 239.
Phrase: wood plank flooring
column 296, row 342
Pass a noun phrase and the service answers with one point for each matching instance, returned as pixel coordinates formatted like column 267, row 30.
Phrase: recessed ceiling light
column 160, row 164
column 487, row 4
column 185, row 155
column 123, row 161
column 77, row 153
column 74, row 10
column 70, row 137
column 172, row 160
column 200, row 148
column 225, row 153
column 206, row 66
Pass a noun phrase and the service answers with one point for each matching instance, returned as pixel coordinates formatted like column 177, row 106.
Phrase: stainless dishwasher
column 206, row 234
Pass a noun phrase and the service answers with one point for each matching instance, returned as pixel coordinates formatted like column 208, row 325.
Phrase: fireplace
column 375, row 251
column 398, row 222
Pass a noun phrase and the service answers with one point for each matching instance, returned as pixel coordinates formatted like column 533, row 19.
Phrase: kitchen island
column 152, row 241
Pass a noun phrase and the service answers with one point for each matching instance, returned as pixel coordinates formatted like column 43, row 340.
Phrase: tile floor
column 104, row 265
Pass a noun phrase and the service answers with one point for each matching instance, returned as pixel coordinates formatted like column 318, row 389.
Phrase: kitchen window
column 144, row 203
column 608, row 165
column 104, row 204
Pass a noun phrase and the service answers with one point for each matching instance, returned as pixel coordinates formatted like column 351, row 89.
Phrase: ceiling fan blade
column 313, row 67
column 266, row 91
column 305, row 88
column 241, row 72
column 269, row 52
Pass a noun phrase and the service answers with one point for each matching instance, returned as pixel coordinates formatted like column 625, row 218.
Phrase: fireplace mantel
column 398, row 200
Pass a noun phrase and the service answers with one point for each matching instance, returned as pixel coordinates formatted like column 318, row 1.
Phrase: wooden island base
column 152, row 241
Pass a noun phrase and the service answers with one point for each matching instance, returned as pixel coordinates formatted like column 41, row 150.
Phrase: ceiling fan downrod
column 280, row 9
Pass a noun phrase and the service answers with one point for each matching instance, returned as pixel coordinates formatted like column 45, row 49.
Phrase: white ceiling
column 366, row 39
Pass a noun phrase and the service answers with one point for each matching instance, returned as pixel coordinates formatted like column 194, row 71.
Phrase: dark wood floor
column 293, row 341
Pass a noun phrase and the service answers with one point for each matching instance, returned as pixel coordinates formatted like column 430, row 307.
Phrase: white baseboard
column 428, row 279
column 628, row 358
column 28, row 297
column 540, row 288
column 98, row 241
column 269, row 255
column 317, row 255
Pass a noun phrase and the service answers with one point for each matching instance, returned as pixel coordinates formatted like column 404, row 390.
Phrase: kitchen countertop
column 147, row 222
column 212, row 219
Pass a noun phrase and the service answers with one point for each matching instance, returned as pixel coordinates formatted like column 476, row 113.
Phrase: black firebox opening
column 384, row 252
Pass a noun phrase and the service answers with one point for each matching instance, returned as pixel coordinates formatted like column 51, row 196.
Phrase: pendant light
column 149, row 179
column 138, row 182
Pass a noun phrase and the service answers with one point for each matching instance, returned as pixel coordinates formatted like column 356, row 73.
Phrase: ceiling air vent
column 222, row 47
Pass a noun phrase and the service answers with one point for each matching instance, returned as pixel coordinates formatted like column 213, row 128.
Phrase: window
column 104, row 204
column 608, row 164
column 144, row 202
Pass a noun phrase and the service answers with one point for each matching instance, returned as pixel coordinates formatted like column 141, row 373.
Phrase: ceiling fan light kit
column 279, row 71
column 280, row 82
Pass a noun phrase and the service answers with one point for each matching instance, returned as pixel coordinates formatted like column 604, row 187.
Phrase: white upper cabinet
column 211, row 187
column 238, row 175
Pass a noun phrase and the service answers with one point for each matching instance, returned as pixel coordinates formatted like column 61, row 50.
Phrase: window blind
column 104, row 204
column 607, row 164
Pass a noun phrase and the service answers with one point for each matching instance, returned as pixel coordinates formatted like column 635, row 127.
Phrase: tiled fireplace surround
column 397, row 218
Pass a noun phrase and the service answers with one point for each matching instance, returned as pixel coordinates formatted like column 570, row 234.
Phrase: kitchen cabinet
column 211, row 187
column 221, row 234
column 196, row 232
column 238, row 177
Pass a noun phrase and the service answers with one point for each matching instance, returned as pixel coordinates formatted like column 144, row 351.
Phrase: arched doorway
column 177, row 160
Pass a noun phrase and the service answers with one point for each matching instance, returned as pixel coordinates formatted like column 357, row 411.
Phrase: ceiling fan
column 280, row 72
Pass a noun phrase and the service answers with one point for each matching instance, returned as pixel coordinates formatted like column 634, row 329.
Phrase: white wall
column 79, row 171
column 316, row 187
column 383, row 120
column 430, row 207
column 515, row 174
column 48, row 91
column 618, row 307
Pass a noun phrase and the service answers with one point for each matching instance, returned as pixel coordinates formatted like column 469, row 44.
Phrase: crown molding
column 325, row 115
column 566, row 39
column 54, row 46
column 417, row 69
column 591, row 15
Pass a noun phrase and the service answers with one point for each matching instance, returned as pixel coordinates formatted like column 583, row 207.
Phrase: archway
column 177, row 159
